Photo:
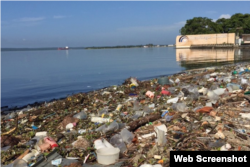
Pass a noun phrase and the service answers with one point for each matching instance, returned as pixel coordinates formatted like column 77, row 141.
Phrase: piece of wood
column 25, row 153
column 142, row 121
column 193, row 76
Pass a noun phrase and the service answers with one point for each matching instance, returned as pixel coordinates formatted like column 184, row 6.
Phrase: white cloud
column 226, row 16
column 30, row 19
column 58, row 17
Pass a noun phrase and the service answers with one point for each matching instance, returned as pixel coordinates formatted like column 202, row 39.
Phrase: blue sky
column 84, row 23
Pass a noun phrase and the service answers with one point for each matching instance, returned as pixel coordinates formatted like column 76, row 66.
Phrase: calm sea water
column 36, row 76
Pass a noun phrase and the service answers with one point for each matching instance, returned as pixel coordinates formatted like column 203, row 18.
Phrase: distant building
column 246, row 38
column 186, row 41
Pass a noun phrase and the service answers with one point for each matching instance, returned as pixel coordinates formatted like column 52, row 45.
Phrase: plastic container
column 161, row 139
column 163, row 81
column 102, row 143
column 107, row 156
column 98, row 144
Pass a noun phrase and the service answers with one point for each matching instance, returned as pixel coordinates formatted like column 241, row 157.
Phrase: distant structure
column 65, row 48
column 246, row 39
column 201, row 40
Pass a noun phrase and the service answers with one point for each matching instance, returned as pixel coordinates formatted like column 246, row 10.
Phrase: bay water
column 41, row 75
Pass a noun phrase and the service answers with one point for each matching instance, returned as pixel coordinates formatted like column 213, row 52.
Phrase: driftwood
column 142, row 121
column 193, row 76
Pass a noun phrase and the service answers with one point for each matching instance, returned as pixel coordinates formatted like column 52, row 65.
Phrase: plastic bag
column 179, row 107
column 126, row 136
column 147, row 110
column 81, row 115
column 136, row 105
column 117, row 141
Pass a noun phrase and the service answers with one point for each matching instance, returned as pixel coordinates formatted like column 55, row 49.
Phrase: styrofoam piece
column 209, row 104
column 245, row 115
column 147, row 135
column 173, row 100
column 219, row 91
column 99, row 119
column 162, row 127
column 203, row 90
column 44, row 133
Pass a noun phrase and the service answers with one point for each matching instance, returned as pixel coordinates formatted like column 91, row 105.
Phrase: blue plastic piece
column 163, row 114
column 34, row 127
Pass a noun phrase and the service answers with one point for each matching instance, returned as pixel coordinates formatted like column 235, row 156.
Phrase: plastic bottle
column 118, row 108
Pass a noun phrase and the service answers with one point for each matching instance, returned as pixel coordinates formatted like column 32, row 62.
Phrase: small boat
column 65, row 48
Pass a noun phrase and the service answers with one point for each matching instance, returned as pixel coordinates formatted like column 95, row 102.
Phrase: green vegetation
column 203, row 25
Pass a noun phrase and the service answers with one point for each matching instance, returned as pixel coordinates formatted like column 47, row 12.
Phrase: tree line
column 202, row 25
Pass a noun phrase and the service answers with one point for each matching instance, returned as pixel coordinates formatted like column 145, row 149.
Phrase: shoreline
column 171, row 109
column 5, row 109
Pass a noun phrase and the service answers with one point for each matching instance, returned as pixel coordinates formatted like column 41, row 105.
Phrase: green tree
column 200, row 25
column 223, row 25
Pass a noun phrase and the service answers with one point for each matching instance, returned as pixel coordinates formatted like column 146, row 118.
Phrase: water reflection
column 67, row 54
column 197, row 58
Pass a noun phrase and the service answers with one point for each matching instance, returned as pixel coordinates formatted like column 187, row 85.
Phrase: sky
column 31, row 24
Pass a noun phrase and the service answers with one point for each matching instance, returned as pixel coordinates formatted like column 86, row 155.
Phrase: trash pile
column 135, row 124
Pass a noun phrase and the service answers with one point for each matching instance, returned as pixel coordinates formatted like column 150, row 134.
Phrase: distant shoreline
column 92, row 47
column 128, row 46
